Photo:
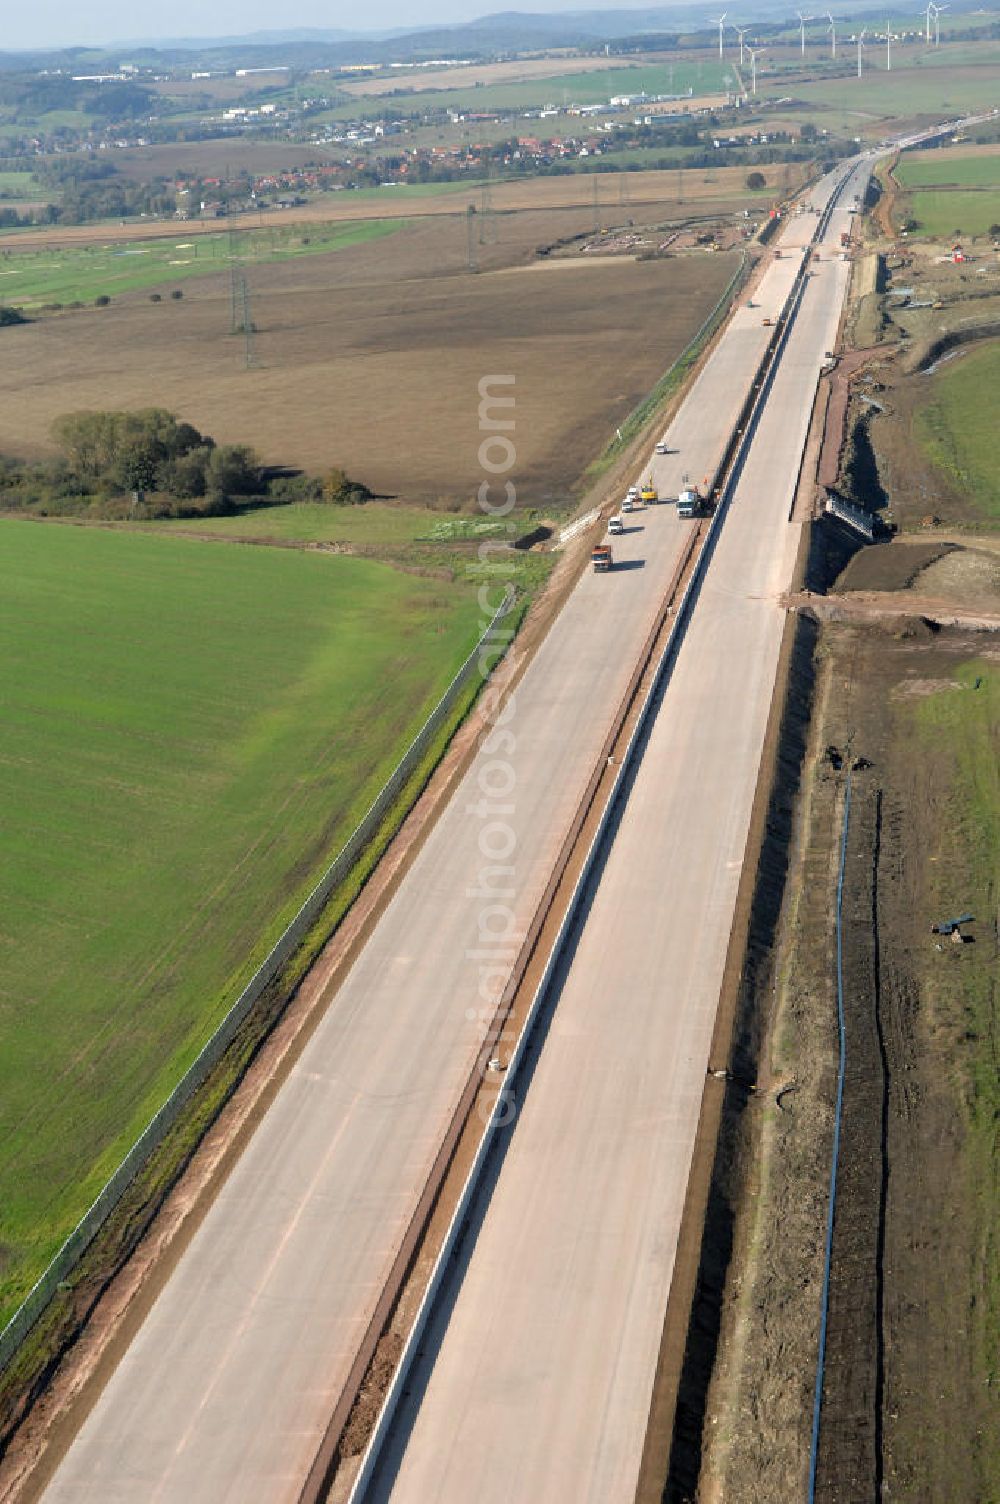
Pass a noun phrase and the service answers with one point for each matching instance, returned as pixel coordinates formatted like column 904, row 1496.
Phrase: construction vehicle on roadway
column 688, row 503
column 648, row 493
column 602, row 558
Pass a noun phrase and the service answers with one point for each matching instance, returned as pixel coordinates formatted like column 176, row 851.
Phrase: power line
column 488, row 221
column 248, row 327
column 470, row 215
column 235, row 277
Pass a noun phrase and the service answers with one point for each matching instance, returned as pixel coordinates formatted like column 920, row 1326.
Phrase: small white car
column 663, row 447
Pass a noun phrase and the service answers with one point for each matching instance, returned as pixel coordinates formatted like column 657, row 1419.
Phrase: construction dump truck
column 602, row 558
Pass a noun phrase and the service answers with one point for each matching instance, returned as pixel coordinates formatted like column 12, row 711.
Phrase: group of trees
column 83, row 190
column 31, row 94
column 152, row 464
column 151, row 451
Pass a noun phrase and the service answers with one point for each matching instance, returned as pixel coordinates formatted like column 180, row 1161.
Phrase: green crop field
column 948, row 213
column 569, row 88
column 949, row 169
column 29, row 279
column 957, row 426
column 190, row 731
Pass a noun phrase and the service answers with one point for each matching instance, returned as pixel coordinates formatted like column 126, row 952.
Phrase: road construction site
column 570, row 1249
column 232, row 1380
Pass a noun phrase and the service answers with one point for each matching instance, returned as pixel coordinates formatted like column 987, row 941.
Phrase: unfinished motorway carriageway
column 536, row 1380
column 537, row 1368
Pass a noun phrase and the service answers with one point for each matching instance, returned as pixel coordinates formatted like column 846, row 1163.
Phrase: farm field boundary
column 30, row 278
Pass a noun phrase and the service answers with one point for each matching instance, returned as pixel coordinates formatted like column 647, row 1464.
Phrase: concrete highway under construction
column 536, row 1371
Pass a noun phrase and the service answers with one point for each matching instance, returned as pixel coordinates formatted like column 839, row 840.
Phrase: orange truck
column 602, row 558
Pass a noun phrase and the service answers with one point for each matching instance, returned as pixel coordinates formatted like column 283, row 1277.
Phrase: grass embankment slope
column 191, row 729
column 372, row 526
column 956, row 427
column 962, row 728
column 30, row 279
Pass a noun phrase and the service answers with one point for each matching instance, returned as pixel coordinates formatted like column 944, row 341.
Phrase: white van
column 616, row 525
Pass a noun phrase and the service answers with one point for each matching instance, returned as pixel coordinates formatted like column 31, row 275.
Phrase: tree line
column 151, row 464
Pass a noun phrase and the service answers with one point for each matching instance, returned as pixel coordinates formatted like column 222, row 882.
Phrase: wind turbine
column 802, row 29
column 753, row 51
column 888, row 47
column 937, row 23
column 719, row 21
column 861, row 42
column 927, row 25
column 741, row 32
column 833, row 35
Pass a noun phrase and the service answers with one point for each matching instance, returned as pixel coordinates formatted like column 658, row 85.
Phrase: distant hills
column 501, row 33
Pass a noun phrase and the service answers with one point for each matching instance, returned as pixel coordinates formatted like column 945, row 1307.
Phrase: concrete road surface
column 538, row 1367
column 225, row 1392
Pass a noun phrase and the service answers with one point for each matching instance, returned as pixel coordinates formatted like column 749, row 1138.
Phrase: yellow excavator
column 648, row 494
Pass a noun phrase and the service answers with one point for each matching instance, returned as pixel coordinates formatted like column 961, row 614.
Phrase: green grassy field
column 30, row 278
column 947, row 169
column 904, row 94
column 957, row 426
column 959, row 54
column 315, row 522
column 22, row 186
column 410, row 537
column 944, row 214
column 75, row 120
column 569, row 88
column 190, row 731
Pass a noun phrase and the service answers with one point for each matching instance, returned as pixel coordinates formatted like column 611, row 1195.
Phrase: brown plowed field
column 370, row 357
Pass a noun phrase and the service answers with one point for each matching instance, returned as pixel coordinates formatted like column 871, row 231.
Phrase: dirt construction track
column 907, row 1408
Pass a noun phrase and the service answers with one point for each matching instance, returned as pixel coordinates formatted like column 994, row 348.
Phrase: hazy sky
column 54, row 23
